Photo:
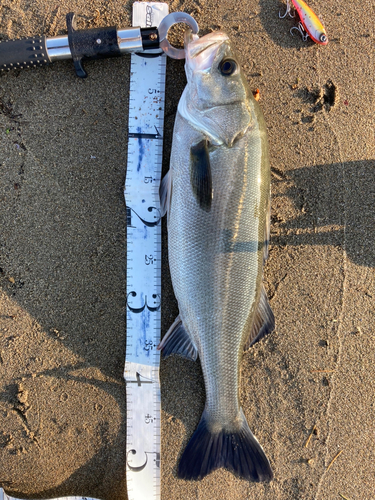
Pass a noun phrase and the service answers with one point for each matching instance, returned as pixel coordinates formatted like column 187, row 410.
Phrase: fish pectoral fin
column 165, row 193
column 264, row 321
column 178, row 341
column 200, row 174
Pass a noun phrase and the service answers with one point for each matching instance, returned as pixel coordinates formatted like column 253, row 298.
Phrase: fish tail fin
column 237, row 450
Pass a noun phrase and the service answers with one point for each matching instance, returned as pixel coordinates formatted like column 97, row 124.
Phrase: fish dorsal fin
column 200, row 174
column 165, row 192
column 178, row 341
column 264, row 321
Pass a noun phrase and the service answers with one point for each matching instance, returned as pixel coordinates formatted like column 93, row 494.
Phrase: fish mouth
column 201, row 52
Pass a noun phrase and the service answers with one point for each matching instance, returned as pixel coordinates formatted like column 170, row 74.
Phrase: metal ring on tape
column 166, row 24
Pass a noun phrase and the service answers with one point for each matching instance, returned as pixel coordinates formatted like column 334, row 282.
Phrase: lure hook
column 301, row 31
column 288, row 11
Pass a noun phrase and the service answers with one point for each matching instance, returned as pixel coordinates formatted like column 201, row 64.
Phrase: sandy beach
column 308, row 388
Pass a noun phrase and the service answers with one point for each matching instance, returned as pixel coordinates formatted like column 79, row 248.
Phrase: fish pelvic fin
column 178, row 341
column 236, row 450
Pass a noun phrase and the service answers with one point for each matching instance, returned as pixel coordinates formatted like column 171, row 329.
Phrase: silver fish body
column 218, row 193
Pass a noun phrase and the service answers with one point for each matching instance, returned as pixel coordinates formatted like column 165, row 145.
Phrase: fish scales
column 216, row 247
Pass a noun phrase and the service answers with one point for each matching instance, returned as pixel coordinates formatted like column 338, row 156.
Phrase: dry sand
column 62, row 259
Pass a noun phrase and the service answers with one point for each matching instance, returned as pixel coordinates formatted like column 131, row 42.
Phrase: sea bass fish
column 217, row 196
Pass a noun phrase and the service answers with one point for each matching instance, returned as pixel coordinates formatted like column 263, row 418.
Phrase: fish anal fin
column 200, row 174
column 237, row 450
column 178, row 341
column 264, row 321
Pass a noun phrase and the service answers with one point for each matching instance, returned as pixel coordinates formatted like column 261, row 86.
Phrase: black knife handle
column 24, row 53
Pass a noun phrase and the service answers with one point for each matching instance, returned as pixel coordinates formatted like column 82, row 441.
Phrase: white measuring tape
column 143, row 320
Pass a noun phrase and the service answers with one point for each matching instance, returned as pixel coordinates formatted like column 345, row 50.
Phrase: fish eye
column 323, row 38
column 227, row 67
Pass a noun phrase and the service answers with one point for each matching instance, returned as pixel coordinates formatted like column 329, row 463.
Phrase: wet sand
column 308, row 389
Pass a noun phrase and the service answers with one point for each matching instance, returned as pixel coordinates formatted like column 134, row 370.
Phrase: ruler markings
column 141, row 373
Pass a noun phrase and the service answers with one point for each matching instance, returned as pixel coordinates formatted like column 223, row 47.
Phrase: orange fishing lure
column 309, row 24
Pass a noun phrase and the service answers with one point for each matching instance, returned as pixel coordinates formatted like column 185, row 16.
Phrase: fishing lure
column 309, row 24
